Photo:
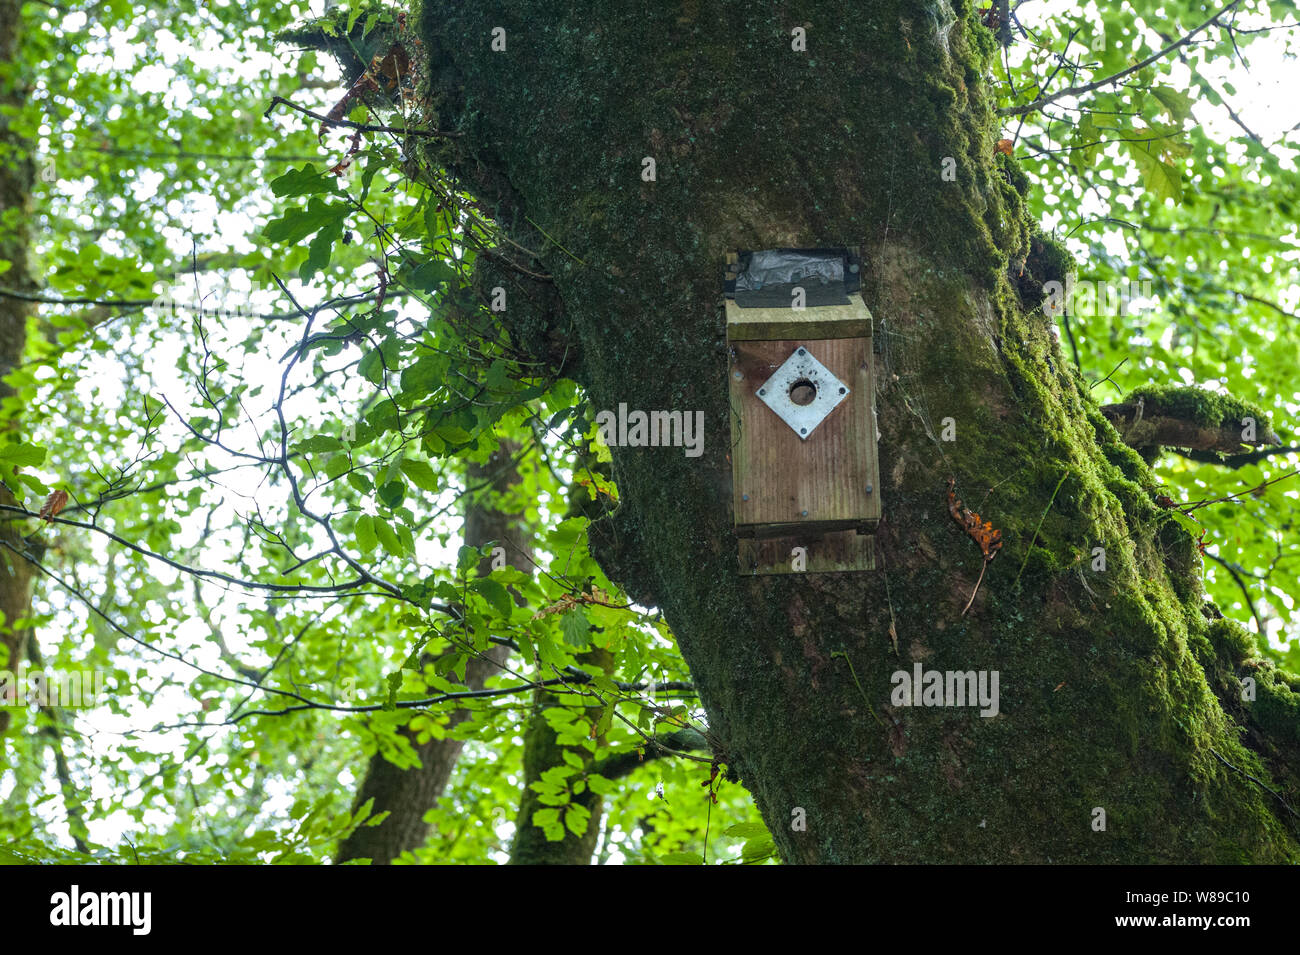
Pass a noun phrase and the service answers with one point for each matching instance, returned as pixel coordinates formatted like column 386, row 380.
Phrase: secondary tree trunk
column 1116, row 692
column 17, row 173
column 407, row 794
column 543, row 751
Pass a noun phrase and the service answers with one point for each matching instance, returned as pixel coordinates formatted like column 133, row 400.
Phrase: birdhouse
column 804, row 470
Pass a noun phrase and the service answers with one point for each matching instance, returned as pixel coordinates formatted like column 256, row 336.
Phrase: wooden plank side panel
column 779, row 478
column 835, row 553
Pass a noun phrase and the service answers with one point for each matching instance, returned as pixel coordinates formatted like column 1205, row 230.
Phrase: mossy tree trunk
column 1116, row 692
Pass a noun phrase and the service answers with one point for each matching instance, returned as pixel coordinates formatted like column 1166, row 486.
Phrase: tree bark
column 408, row 794
column 17, row 173
column 1116, row 693
column 542, row 751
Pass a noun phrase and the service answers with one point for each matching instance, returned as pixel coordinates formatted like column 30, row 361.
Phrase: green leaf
column 422, row 475
column 407, row 538
column 548, row 820
column 495, row 594
column 425, row 375
column 303, row 182
column 746, row 830
column 336, row 465
column 1178, row 105
column 388, row 537
column 572, row 758
column 318, row 443
column 296, row 224
column 1087, row 143
column 452, row 434
column 22, row 455
column 497, row 375
column 428, row 276
column 758, row 849
column 575, row 628
column 392, row 493
column 576, row 818
column 1160, row 178
column 371, row 367
column 320, row 249
column 605, row 721
column 366, row 536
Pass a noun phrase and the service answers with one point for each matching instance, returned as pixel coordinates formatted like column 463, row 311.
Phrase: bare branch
column 349, row 124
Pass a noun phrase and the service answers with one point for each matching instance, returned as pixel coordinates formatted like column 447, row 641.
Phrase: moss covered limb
column 756, row 144
column 1191, row 418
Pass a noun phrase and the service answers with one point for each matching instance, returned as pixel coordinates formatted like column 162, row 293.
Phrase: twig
column 349, row 124
column 1234, row 460
column 1112, row 371
column 1060, row 65
column 1116, row 77
column 1255, row 781
column 1245, row 591
column 1197, row 505
column 1038, row 528
column 1273, row 305
column 979, row 580
column 893, row 630
column 853, row 673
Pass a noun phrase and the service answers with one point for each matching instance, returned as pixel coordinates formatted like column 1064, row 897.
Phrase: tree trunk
column 543, row 751
column 407, row 794
column 1116, row 693
column 16, row 177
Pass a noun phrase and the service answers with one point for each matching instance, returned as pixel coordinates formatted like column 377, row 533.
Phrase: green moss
column 1208, row 408
column 1180, row 556
column 1231, row 641
column 1276, row 707
column 1050, row 259
column 373, row 31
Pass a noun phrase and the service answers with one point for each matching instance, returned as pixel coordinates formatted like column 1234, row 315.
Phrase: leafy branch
column 1116, row 77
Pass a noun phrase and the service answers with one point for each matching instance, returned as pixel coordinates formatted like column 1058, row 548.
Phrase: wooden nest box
column 804, row 469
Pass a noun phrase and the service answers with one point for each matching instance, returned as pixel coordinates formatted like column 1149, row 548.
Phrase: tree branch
column 1245, row 591
column 1162, row 428
column 1116, row 77
column 619, row 765
column 1234, row 460
column 349, row 124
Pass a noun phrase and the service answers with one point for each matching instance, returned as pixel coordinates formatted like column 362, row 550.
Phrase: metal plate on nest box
column 803, row 392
